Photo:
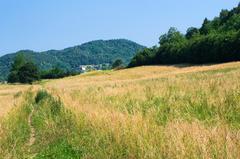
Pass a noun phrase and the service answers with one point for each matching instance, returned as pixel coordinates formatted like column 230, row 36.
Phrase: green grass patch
column 15, row 131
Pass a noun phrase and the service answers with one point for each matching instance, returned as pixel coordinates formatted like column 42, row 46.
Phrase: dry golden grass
column 9, row 97
column 148, row 112
column 129, row 75
column 161, row 111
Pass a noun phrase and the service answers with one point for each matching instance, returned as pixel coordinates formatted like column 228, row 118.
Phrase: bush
column 117, row 64
column 55, row 105
column 42, row 94
column 56, row 73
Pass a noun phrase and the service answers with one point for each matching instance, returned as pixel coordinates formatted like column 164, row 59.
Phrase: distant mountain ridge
column 94, row 52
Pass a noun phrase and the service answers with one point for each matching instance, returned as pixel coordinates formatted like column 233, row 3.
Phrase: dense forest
column 216, row 41
column 69, row 59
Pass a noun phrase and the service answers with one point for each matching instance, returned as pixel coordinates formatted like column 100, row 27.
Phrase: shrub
column 117, row 64
column 41, row 95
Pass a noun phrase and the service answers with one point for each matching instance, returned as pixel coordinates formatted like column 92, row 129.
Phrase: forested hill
column 216, row 41
column 95, row 52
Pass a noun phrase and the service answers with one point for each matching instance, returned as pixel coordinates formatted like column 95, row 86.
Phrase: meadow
column 153, row 112
column 9, row 97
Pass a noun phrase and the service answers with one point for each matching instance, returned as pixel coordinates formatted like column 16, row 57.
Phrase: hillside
column 216, row 41
column 177, row 111
column 95, row 52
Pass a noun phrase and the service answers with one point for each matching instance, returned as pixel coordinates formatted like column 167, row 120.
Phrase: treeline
column 215, row 41
column 25, row 71
column 56, row 73
column 95, row 53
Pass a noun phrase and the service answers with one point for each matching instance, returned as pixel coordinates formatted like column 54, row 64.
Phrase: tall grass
column 156, row 112
column 9, row 97
column 180, row 113
column 15, row 131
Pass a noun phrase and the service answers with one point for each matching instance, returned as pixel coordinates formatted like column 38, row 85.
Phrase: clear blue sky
column 55, row 24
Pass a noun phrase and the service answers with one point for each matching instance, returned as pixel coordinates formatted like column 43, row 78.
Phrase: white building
column 83, row 68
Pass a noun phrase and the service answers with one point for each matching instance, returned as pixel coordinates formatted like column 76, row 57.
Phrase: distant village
column 87, row 68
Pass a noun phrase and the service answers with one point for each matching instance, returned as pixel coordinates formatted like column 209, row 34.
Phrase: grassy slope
column 145, row 112
column 9, row 97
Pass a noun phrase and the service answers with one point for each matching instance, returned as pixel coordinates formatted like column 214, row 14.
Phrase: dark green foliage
column 28, row 73
column 145, row 57
column 215, row 42
column 206, row 28
column 191, row 32
column 56, row 73
column 19, row 61
column 92, row 53
column 53, row 73
column 117, row 64
column 13, row 77
column 172, row 36
column 41, row 95
column 22, row 71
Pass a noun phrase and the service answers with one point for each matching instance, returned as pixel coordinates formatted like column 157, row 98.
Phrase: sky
column 41, row 25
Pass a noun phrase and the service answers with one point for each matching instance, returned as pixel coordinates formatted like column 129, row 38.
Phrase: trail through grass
column 15, row 131
column 32, row 139
column 158, row 112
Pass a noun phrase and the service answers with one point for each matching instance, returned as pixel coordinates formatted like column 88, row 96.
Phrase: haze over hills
column 94, row 52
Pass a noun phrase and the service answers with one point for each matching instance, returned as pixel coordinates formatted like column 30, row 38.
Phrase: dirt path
column 32, row 138
column 32, row 130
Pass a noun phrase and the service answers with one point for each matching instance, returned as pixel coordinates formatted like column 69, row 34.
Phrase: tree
column 224, row 15
column 173, row 35
column 216, row 41
column 191, row 32
column 13, row 77
column 117, row 64
column 205, row 29
column 22, row 71
column 54, row 73
column 28, row 73
column 19, row 61
column 144, row 57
